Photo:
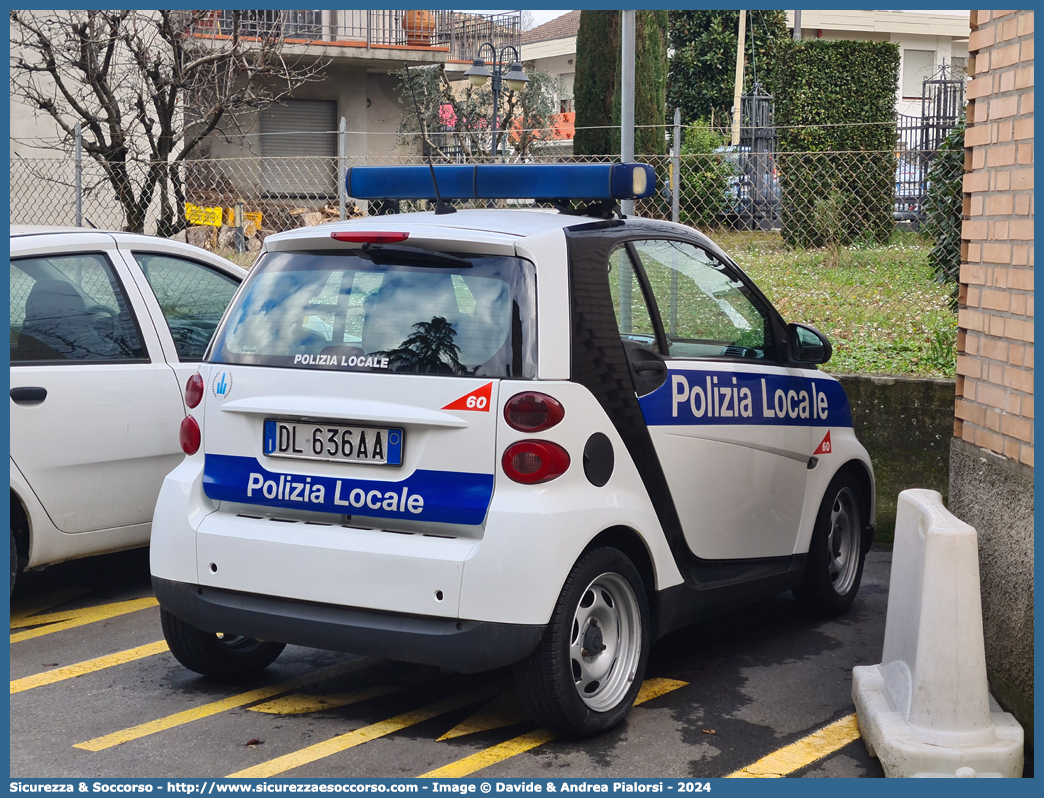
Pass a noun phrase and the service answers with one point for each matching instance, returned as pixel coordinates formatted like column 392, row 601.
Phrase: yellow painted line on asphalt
column 60, row 621
column 31, row 606
column 803, row 752
column 651, row 688
column 87, row 666
column 505, row 710
column 215, row 707
column 299, row 704
column 343, row 742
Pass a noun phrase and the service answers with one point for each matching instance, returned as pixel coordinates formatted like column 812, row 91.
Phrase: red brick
column 1026, row 23
column 989, row 440
column 972, row 296
column 978, row 156
column 970, row 319
column 996, row 373
column 1005, row 130
column 1015, row 354
column 1025, row 153
column 1024, row 129
column 1018, row 304
column 994, row 349
column 966, row 411
column 1017, row 428
column 999, row 205
column 1003, row 107
column 974, row 228
column 1026, row 455
column 968, row 367
column 996, row 253
column 1007, row 81
column 1027, row 361
column 1022, row 204
column 974, row 253
column 990, row 395
column 1022, row 179
column 1018, row 256
column 1021, row 279
column 1002, row 57
column 994, row 326
column 976, row 181
column 1001, row 180
column 1023, row 78
column 1027, row 407
column 979, row 18
column 1000, row 230
column 980, row 87
column 999, row 14
column 1025, row 107
column 1029, row 305
column 993, row 420
column 1021, row 230
column 958, row 428
column 968, row 433
column 1027, row 51
column 982, row 38
column 1011, row 449
column 1009, row 30
column 1000, row 156
column 1019, row 330
column 973, row 273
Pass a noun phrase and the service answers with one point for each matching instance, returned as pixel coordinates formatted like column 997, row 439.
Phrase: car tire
column 565, row 685
column 835, row 556
column 222, row 657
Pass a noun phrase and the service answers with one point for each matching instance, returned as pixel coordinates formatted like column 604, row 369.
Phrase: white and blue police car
column 530, row 437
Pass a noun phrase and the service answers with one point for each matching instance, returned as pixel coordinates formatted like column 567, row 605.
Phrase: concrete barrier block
column 926, row 709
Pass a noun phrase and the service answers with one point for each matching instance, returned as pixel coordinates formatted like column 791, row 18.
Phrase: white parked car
column 105, row 329
column 503, row 437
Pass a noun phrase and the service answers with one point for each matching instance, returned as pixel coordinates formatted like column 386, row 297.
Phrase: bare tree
column 148, row 87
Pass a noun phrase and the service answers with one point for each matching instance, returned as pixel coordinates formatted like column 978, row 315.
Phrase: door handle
column 28, row 396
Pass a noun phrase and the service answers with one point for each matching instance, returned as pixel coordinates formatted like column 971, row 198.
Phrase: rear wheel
column 835, row 555
column 14, row 560
column 585, row 675
column 218, row 655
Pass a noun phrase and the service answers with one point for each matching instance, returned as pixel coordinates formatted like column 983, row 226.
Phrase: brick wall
column 995, row 340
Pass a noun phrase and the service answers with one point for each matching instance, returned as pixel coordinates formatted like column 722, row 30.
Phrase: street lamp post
column 515, row 79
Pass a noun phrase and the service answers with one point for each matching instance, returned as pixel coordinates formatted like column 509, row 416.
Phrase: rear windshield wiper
column 384, row 254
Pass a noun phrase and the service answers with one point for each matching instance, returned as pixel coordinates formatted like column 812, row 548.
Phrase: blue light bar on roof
column 588, row 181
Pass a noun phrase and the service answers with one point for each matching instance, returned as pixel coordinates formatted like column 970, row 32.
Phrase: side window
column 632, row 314
column 70, row 308
column 192, row 297
column 705, row 311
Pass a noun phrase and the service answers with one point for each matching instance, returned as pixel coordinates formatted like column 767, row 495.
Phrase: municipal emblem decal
column 222, row 384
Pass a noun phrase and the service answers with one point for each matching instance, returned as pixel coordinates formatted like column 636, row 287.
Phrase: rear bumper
column 459, row 645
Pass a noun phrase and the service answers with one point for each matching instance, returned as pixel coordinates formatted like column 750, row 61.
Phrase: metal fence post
column 341, row 188
column 239, row 222
column 78, row 169
column 676, row 168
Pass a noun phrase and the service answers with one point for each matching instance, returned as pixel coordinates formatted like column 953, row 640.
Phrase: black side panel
column 600, row 365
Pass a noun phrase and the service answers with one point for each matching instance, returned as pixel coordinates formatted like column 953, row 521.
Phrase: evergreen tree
column 702, row 73
column 650, row 81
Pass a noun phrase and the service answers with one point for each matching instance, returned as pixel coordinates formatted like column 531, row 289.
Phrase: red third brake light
column 532, row 462
column 533, row 412
column 189, row 435
column 370, row 237
column 194, row 390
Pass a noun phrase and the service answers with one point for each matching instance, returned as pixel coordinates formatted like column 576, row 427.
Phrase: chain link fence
column 836, row 239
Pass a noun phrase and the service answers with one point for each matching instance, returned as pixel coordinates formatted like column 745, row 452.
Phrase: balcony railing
column 458, row 31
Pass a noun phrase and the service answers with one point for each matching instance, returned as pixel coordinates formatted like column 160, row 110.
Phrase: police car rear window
column 463, row 316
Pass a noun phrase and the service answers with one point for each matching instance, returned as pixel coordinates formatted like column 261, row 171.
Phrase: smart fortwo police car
column 535, row 438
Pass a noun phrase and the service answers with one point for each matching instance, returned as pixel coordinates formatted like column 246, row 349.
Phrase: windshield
column 344, row 311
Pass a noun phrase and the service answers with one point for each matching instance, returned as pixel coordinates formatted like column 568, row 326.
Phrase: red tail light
column 532, row 462
column 533, row 412
column 370, row 237
column 194, row 390
column 189, row 435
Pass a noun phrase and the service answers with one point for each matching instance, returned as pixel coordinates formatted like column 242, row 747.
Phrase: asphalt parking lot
column 759, row 691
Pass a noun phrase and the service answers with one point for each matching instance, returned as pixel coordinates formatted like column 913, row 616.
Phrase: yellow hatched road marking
column 60, row 621
column 374, row 731
column 88, row 666
column 505, row 710
column 804, row 752
column 215, row 707
column 651, row 688
column 31, row 606
column 298, row 704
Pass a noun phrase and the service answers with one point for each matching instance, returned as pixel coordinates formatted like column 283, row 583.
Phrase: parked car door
column 736, row 468
column 95, row 408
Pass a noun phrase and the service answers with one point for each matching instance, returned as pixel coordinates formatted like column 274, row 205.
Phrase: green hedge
column 847, row 90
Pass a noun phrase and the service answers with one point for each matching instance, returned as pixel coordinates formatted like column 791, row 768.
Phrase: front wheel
column 218, row 655
column 585, row 675
column 835, row 555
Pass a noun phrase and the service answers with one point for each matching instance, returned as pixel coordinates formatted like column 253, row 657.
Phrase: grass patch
column 880, row 306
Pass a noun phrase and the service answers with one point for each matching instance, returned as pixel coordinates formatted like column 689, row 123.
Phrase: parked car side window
column 70, row 308
column 192, row 297
column 706, row 310
column 632, row 314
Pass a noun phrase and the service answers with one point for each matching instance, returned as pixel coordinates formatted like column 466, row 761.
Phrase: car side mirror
column 807, row 345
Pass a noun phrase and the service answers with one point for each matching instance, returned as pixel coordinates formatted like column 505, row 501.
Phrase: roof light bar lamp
column 515, row 79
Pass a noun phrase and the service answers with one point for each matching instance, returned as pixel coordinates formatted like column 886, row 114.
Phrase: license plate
column 338, row 443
